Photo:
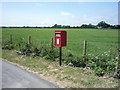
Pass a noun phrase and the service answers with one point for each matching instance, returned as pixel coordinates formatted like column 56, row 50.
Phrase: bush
column 36, row 52
column 52, row 54
column 68, row 57
column 98, row 71
column 7, row 45
column 27, row 49
column 43, row 52
column 76, row 61
column 105, row 63
column 20, row 44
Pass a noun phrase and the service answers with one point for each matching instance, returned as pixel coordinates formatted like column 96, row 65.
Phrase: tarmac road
column 16, row 77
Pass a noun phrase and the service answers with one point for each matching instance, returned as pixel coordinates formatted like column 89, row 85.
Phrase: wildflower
column 89, row 54
column 109, row 51
column 116, row 58
column 96, row 57
column 105, row 52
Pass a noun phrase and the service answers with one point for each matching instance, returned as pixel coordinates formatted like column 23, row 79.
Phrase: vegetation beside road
column 64, row 76
column 102, row 47
column 101, row 58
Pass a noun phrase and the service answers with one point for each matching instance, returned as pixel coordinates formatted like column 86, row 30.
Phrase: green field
column 101, row 59
column 102, row 46
column 98, row 40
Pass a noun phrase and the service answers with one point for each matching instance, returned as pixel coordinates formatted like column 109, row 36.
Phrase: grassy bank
column 64, row 76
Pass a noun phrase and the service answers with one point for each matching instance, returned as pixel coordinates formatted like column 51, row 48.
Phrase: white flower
column 96, row 57
column 105, row 52
column 108, row 51
column 89, row 54
column 116, row 58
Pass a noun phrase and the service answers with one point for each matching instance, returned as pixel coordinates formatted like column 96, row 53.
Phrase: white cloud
column 65, row 14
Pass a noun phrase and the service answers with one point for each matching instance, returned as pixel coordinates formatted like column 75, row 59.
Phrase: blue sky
column 64, row 13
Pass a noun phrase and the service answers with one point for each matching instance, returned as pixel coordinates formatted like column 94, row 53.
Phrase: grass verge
column 64, row 76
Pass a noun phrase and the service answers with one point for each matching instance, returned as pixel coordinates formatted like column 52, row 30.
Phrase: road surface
column 16, row 77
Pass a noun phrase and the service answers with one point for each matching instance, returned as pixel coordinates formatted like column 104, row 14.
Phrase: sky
column 61, row 13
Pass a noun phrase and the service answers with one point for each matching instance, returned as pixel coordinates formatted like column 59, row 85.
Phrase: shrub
column 105, row 63
column 20, row 44
column 36, row 52
column 7, row 45
column 76, row 61
column 68, row 57
column 52, row 54
column 43, row 52
column 27, row 49
column 98, row 71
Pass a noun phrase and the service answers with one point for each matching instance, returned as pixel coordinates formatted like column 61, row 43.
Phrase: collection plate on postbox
column 60, row 38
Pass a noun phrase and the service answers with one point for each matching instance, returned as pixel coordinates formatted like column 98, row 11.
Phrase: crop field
column 98, row 40
column 102, row 45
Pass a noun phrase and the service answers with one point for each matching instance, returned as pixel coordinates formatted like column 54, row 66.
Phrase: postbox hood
column 59, row 31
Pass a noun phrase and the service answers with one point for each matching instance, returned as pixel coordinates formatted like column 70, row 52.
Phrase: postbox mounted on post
column 60, row 38
column 60, row 41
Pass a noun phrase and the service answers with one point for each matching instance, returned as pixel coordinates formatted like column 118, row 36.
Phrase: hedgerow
column 100, row 64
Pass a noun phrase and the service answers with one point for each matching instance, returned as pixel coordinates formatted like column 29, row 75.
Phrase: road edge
column 30, row 71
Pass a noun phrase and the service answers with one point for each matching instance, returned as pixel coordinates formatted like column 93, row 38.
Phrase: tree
column 103, row 24
column 87, row 26
column 65, row 26
column 91, row 26
column 56, row 26
column 84, row 26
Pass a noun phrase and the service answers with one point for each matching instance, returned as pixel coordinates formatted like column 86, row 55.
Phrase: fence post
column 29, row 39
column 84, row 48
column 10, row 38
column 52, row 43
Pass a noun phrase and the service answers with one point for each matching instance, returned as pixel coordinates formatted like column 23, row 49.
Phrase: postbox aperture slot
column 57, row 34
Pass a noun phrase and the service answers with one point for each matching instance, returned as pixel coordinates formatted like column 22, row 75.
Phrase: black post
column 60, row 57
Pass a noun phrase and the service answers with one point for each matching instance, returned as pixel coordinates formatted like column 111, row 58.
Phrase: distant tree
column 56, row 26
column 116, row 26
column 84, row 26
column 91, row 26
column 73, row 27
column 103, row 24
column 87, row 26
column 77, row 26
column 65, row 26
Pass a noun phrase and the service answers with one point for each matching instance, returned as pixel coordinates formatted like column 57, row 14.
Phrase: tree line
column 100, row 25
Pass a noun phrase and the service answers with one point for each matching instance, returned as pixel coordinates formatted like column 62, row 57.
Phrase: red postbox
column 60, row 38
